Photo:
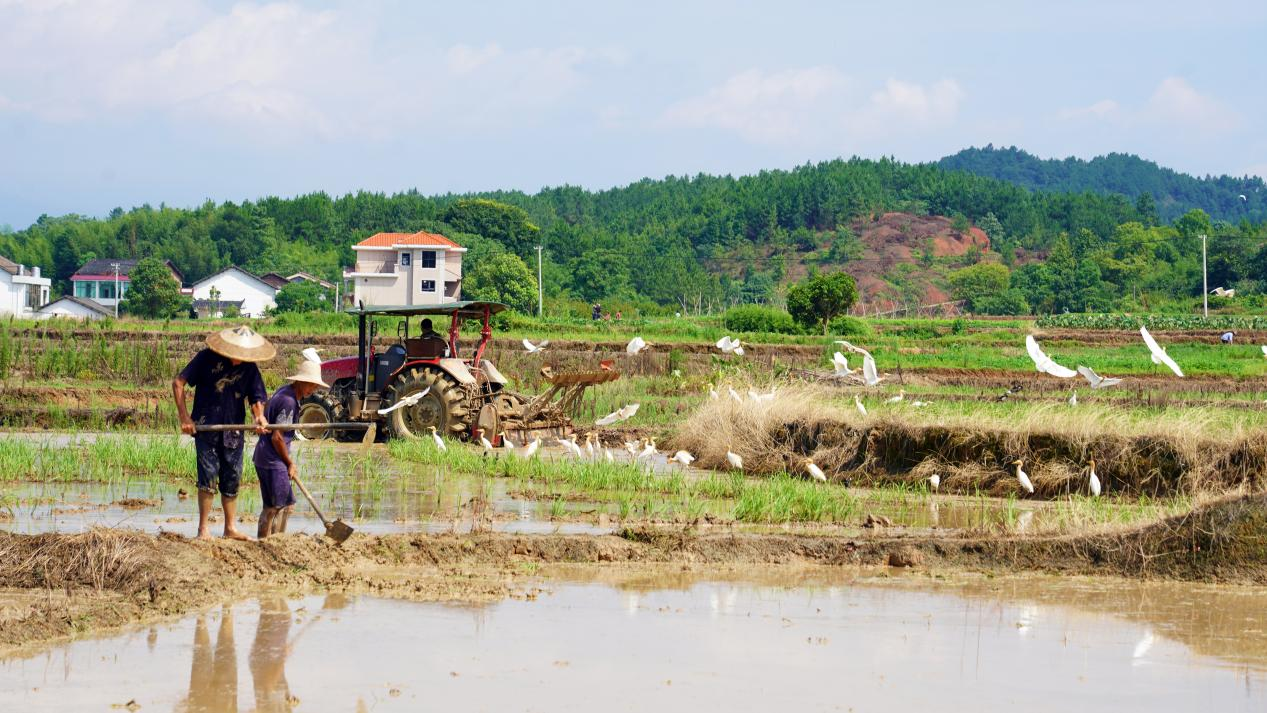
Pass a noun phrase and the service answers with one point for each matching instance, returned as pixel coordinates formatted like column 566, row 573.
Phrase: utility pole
column 1205, row 284
column 115, row 265
column 540, row 287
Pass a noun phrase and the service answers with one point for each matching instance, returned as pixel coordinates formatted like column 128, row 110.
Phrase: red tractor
column 423, row 381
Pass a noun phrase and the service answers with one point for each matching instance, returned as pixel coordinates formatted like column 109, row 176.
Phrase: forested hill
column 1125, row 174
column 705, row 239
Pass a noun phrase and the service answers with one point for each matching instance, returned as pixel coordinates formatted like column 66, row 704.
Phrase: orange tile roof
column 386, row 240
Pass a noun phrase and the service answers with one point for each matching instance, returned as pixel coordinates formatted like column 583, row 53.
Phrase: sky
column 122, row 103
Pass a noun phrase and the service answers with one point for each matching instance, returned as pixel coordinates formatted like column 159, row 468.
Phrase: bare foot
column 235, row 535
column 204, row 535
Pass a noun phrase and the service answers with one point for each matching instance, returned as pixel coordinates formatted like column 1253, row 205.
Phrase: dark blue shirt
column 220, row 388
column 282, row 408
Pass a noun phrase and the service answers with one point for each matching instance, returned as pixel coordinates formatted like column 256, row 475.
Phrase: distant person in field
column 224, row 377
column 617, row 315
column 1227, row 337
column 272, row 459
column 596, row 313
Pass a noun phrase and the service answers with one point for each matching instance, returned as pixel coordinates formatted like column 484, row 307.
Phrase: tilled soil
column 59, row 586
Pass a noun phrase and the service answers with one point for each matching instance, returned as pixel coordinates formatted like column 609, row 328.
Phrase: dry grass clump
column 754, row 429
column 100, row 558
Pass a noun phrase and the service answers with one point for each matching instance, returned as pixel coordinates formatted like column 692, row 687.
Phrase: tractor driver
column 431, row 335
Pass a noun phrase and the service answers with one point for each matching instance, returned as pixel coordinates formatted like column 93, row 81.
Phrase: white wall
column 235, row 285
column 66, row 308
column 14, row 289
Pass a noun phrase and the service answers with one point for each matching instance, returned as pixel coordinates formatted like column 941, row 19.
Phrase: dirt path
column 60, row 586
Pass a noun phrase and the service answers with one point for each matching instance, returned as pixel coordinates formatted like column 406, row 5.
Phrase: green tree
column 815, row 301
column 600, row 274
column 502, row 278
column 979, row 282
column 507, row 224
column 303, row 296
column 153, row 292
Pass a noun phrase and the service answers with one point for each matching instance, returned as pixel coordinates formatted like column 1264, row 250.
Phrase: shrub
column 755, row 318
column 845, row 326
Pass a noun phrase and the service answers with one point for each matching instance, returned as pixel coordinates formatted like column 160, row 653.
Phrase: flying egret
column 531, row 449
column 1220, row 292
column 729, row 346
column 624, row 413
column 1044, row 363
column 935, row 481
column 1097, row 381
column 310, row 353
column 1094, row 480
column 735, row 460
column 815, row 472
column 1242, row 196
column 1159, row 355
column 436, row 439
column 1022, row 477
column 647, row 450
column 636, row 345
column 534, row 348
column 869, row 375
column 840, row 365
column 1073, row 399
column 901, row 394
column 682, row 457
column 858, row 403
column 484, row 442
column 406, row 402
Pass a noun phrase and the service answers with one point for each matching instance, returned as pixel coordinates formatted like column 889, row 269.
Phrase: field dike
column 59, row 585
column 1181, row 456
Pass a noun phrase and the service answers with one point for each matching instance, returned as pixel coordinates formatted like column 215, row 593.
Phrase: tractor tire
column 318, row 409
column 444, row 406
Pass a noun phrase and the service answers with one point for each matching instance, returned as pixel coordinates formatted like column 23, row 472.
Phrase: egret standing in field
column 589, row 446
column 436, row 439
column 934, row 481
column 682, row 457
column 857, row 402
column 1093, row 481
column 648, row 450
column 486, row 444
column 815, row 472
column 735, row 460
column 1073, row 399
column 531, row 449
column 1159, row 355
column 1022, row 477
column 734, row 395
column 901, row 394
column 507, row 444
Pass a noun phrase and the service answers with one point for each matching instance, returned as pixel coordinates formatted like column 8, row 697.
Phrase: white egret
column 310, row 353
column 648, row 450
column 869, row 375
column 712, row 394
column 734, row 395
column 857, row 402
column 484, row 442
column 761, row 397
column 1044, row 363
column 631, row 447
column 1159, row 355
column 636, row 345
column 735, row 460
column 1097, row 381
column 1073, row 399
column 1094, row 480
column 1265, row 351
column 607, row 455
column 406, row 402
column 436, row 439
column 624, row 413
column 1022, row 477
column 531, row 449
column 589, row 446
column 1220, row 292
column 901, row 394
column 1242, row 196
column 534, row 348
column 840, row 365
column 730, row 346
column 682, row 457
column 934, row 480
column 919, row 404
column 508, row 444
column 569, row 445
column 815, row 472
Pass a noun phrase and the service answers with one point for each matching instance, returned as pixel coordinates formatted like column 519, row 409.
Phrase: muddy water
column 777, row 640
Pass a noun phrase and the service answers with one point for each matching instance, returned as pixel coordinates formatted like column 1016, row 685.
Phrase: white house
column 106, row 280
column 406, row 269
column 234, row 285
column 74, row 308
column 22, row 288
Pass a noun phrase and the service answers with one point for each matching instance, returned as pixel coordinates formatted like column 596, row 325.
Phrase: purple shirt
column 282, row 408
column 220, row 388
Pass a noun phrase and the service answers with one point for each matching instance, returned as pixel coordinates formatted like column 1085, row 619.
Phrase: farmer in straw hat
column 272, row 453
column 223, row 376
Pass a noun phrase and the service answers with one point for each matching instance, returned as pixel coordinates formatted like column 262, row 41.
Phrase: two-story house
column 106, row 281
column 406, row 269
column 22, row 289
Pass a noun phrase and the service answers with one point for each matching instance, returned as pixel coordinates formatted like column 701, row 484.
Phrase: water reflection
column 213, row 671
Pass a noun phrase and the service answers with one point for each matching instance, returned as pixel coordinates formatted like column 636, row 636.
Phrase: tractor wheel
column 320, row 409
column 444, row 406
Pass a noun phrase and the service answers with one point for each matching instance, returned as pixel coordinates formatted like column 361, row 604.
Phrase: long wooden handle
column 221, row 427
column 311, row 502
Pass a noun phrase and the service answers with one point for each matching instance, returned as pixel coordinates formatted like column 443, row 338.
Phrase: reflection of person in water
column 268, row 657
column 213, row 675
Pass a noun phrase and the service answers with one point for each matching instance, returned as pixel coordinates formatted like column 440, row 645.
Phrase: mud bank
column 66, row 585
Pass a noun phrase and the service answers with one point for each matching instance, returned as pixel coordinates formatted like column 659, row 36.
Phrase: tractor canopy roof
column 469, row 310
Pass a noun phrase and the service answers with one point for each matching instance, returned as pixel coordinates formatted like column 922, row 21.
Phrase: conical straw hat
column 309, row 371
column 241, row 343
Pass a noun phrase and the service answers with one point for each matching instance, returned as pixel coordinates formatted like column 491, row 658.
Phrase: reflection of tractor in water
column 422, row 382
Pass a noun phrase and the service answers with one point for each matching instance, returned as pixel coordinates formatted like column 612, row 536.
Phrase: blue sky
column 106, row 104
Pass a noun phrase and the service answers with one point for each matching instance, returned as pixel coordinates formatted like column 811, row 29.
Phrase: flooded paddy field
column 574, row 637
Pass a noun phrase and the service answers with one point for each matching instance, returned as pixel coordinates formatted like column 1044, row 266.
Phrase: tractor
column 422, row 381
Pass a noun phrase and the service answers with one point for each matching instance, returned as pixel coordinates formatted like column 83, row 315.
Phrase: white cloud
column 815, row 104
column 1103, row 109
column 1177, row 102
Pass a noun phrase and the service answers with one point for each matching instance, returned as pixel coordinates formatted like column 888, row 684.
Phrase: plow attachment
column 547, row 415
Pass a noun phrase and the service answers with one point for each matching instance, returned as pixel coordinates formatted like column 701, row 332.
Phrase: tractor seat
column 425, row 348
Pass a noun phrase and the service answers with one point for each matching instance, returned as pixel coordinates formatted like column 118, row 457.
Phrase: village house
column 71, row 307
column 233, row 288
column 22, row 288
column 106, row 280
column 406, row 269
